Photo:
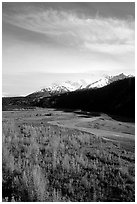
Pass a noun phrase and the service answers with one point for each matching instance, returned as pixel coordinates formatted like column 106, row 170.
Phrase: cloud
column 110, row 35
column 110, row 48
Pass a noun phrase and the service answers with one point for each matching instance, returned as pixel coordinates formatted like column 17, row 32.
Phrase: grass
column 54, row 164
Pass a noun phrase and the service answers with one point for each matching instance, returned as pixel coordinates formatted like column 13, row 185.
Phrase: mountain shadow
column 117, row 98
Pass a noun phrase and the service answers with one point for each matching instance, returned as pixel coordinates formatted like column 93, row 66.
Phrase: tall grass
column 48, row 163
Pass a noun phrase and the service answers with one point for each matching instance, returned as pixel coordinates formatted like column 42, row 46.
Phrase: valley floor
column 53, row 155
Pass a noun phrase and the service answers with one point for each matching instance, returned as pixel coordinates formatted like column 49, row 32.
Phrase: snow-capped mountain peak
column 67, row 86
column 64, row 86
column 72, row 86
column 106, row 80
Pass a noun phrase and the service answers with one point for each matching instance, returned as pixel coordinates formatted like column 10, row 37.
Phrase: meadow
column 49, row 163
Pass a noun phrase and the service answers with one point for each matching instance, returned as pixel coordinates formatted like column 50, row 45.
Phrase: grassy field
column 43, row 162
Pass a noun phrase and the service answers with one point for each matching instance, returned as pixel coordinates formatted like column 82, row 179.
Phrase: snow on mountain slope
column 64, row 87
column 67, row 86
column 106, row 80
column 72, row 86
column 97, row 84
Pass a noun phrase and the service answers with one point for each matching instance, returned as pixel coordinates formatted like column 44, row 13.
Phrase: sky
column 51, row 42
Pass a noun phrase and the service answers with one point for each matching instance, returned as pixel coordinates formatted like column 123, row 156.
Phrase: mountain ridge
column 117, row 98
column 68, row 86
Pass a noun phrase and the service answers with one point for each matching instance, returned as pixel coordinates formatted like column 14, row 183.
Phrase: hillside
column 117, row 98
column 69, row 86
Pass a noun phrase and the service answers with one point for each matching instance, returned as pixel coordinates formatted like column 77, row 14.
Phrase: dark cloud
column 104, row 9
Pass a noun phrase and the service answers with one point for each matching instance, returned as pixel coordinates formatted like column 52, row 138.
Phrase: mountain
column 31, row 100
column 116, row 98
column 106, row 80
column 68, row 86
column 72, row 86
column 56, row 89
column 38, row 94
